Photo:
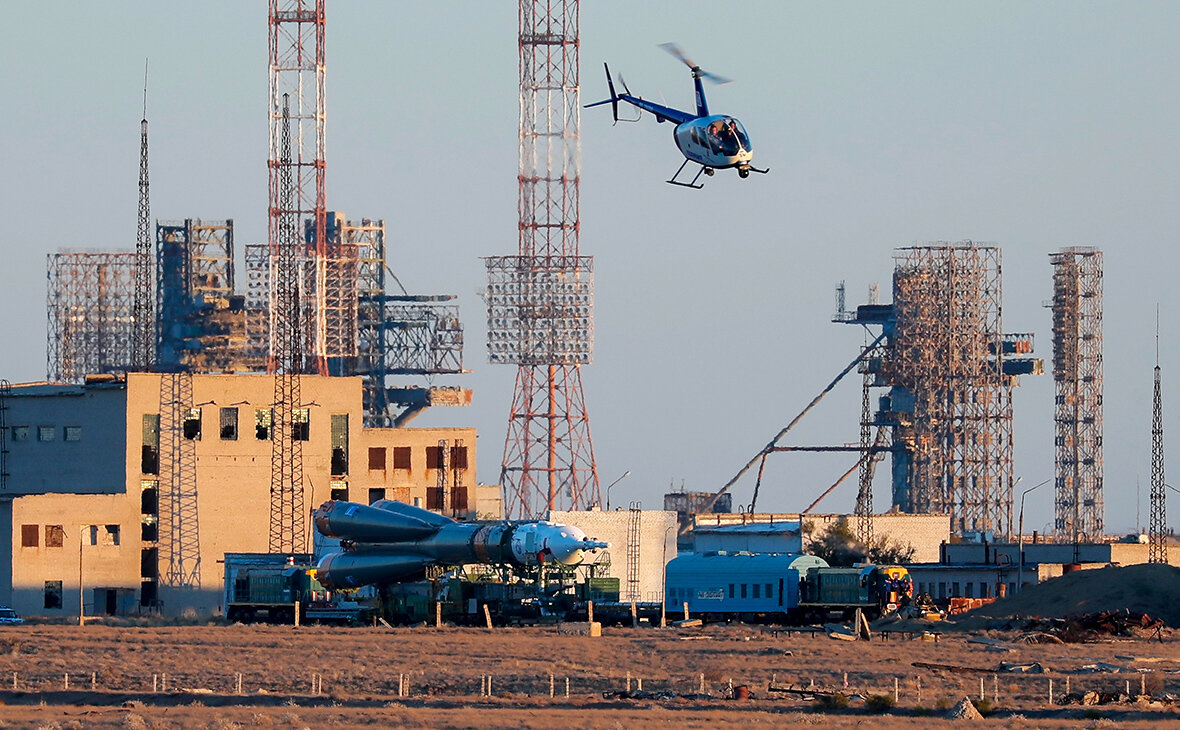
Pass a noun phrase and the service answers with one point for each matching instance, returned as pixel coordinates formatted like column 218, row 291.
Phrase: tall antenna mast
column 143, row 349
column 1157, row 548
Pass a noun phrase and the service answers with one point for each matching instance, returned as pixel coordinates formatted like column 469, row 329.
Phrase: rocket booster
column 390, row 541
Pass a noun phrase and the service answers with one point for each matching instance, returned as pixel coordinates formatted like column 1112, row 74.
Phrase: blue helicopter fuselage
column 716, row 141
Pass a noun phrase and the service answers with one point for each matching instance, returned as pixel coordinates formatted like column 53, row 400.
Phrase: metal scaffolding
column 1077, row 372
column 90, row 306
column 1157, row 534
column 540, row 303
column 948, row 353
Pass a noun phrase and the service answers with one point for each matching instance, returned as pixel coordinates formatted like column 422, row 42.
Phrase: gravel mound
column 964, row 711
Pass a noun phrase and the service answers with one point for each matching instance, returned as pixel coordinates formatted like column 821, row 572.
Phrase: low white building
column 641, row 544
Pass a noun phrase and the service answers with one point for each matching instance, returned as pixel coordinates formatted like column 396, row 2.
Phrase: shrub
column 836, row 701
column 879, row 703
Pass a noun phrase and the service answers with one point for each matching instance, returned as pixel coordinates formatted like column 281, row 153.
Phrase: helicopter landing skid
column 693, row 183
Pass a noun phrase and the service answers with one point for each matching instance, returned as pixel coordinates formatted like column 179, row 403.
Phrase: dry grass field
column 187, row 677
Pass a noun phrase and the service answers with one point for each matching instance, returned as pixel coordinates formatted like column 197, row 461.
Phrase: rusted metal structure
column 90, row 312
column 540, row 302
column 1077, row 374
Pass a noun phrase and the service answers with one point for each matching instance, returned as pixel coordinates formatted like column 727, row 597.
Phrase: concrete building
column 792, row 532
column 641, row 544
column 86, row 505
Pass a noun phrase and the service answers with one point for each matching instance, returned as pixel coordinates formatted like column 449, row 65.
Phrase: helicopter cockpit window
column 723, row 137
column 743, row 139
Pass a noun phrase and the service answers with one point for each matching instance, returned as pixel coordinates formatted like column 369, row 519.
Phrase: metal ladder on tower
column 5, row 394
column 633, row 533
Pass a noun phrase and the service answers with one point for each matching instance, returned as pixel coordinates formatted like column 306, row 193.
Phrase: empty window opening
column 149, row 529
column 150, row 460
column 192, row 424
column 55, row 536
column 401, row 457
column 300, row 424
column 376, row 493
column 229, row 424
column 110, row 535
column 339, row 443
column 263, row 417
column 53, row 594
column 339, row 491
column 149, row 497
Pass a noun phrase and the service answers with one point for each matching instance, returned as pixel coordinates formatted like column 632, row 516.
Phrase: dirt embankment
column 1153, row 589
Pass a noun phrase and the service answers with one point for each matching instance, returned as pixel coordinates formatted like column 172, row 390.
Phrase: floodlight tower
column 540, row 302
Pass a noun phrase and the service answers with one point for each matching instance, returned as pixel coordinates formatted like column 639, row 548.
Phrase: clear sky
column 1031, row 125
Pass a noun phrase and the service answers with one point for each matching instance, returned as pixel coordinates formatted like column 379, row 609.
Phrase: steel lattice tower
column 179, row 527
column 287, row 533
column 143, row 349
column 297, row 74
column 948, row 352
column 1158, row 532
column 1077, row 372
column 540, row 303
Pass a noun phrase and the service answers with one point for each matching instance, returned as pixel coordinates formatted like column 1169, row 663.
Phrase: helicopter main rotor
column 697, row 71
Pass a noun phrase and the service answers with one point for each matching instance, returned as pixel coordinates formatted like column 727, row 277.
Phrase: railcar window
column 731, row 590
column 743, row 590
column 757, row 590
column 769, row 591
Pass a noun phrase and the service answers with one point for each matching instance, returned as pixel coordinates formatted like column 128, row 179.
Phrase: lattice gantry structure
column 540, row 302
column 1077, row 373
column 948, row 353
column 90, row 308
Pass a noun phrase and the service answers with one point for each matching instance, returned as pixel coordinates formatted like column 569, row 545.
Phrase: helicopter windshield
column 727, row 137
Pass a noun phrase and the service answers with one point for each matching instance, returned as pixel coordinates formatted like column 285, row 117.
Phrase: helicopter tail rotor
column 697, row 71
column 614, row 98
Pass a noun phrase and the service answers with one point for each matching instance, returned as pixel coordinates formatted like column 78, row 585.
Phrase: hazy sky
column 1031, row 125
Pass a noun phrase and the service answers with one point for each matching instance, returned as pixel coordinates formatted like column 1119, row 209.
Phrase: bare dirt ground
column 187, row 677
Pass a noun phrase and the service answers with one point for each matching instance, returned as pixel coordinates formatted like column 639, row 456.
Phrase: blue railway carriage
column 763, row 586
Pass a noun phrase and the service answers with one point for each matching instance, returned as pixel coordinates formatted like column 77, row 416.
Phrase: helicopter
column 713, row 141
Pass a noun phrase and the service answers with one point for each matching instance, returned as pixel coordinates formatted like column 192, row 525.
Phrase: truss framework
column 90, row 308
column 947, row 352
column 179, row 536
column 1077, row 373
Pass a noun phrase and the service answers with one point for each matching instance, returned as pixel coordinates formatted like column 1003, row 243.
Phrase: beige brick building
column 89, row 496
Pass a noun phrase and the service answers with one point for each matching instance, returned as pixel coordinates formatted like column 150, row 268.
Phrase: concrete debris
column 1031, row 668
column 1103, row 668
column 964, row 711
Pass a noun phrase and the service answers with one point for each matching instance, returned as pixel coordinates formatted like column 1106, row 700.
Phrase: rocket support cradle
column 390, row 541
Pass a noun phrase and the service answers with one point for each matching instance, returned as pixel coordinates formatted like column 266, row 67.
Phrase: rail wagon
column 751, row 586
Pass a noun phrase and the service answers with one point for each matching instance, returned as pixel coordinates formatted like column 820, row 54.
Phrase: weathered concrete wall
column 656, row 545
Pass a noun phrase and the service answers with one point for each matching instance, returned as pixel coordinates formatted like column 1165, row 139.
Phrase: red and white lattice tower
column 296, row 42
column 540, row 302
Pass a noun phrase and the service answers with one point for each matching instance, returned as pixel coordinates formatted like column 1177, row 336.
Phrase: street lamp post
column 81, row 592
column 1020, row 531
column 625, row 475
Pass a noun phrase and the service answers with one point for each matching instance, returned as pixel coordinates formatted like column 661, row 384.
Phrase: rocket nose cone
column 568, row 545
